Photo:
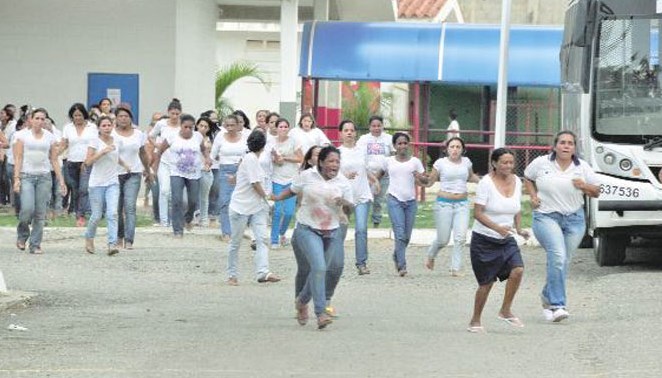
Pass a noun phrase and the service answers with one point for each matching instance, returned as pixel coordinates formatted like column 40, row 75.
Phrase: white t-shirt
column 378, row 149
column 58, row 138
column 283, row 174
column 318, row 209
column 267, row 165
column 555, row 189
column 160, row 132
column 36, row 152
column 501, row 210
column 187, row 155
column 104, row 170
column 245, row 199
column 356, row 160
column 307, row 139
column 77, row 144
column 10, row 131
column 453, row 176
column 129, row 149
column 403, row 184
column 453, row 126
column 228, row 152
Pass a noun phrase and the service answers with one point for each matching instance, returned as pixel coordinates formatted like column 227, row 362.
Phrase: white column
column 502, row 85
column 289, row 20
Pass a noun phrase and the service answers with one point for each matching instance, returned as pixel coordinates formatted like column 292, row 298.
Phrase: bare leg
column 479, row 303
column 514, row 280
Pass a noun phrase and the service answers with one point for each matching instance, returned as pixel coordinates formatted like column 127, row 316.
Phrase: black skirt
column 493, row 258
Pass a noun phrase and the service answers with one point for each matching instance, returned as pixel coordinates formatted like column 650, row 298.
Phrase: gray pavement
column 163, row 310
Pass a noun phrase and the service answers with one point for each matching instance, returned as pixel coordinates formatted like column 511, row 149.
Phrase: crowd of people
column 201, row 171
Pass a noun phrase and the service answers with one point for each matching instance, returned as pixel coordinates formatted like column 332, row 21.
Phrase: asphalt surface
column 164, row 310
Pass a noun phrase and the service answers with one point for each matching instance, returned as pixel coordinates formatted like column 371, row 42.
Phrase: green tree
column 365, row 102
column 227, row 76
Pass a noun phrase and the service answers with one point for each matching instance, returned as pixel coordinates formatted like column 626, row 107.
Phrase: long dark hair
column 552, row 156
column 309, row 155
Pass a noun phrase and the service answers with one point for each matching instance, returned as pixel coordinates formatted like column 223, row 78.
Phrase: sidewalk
column 14, row 298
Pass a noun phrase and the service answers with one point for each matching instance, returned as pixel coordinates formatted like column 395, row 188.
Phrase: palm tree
column 229, row 74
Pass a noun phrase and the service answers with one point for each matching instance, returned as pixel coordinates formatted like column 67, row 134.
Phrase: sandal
column 323, row 320
column 232, row 281
column 429, row 263
column 37, row 251
column 302, row 312
column 20, row 245
column 269, row 277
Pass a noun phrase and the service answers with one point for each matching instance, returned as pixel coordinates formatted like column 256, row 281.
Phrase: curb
column 13, row 299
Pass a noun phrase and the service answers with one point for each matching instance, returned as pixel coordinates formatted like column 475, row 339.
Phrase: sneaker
column 548, row 314
column 363, row 270
column 560, row 314
column 273, row 246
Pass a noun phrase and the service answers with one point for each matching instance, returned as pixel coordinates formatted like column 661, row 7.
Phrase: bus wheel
column 610, row 250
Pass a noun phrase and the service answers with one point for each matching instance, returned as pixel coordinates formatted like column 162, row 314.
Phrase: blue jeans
column 16, row 197
column 214, row 207
column 283, row 213
column 225, row 194
column 55, row 203
column 321, row 249
column 450, row 216
column 560, row 236
column 258, row 222
column 206, row 182
column 101, row 196
column 126, row 210
column 35, row 193
column 78, row 178
column 360, row 233
column 165, row 198
column 179, row 216
column 378, row 200
column 403, row 216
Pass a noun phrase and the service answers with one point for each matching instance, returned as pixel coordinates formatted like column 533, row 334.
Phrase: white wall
column 249, row 94
column 49, row 47
column 195, row 54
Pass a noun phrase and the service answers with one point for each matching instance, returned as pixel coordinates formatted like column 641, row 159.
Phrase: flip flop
column 513, row 321
column 270, row 277
column 476, row 329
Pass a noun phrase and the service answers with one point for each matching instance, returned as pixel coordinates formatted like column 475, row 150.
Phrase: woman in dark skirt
column 494, row 251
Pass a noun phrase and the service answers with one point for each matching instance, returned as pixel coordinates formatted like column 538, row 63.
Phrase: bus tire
column 610, row 250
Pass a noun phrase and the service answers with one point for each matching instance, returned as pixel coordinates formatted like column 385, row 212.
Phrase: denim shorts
column 493, row 258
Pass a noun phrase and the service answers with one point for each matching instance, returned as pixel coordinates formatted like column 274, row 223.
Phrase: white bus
column 612, row 98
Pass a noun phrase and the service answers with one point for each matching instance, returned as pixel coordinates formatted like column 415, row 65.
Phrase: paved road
column 163, row 310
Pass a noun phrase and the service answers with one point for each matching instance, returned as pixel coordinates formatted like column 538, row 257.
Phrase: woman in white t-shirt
column 131, row 144
column 405, row 172
column 103, row 158
column 228, row 149
column 378, row 144
column 203, row 126
column 35, row 153
column 286, row 157
column 76, row 137
column 325, row 197
column 307, row 134
column 354, row 165
column 557, row 184
column 248, row 205
column 163, row 130
column 494, row 250
column 451, row 211
column 191, row 157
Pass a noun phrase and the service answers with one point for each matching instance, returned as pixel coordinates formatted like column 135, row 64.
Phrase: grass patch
column 9, row 220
